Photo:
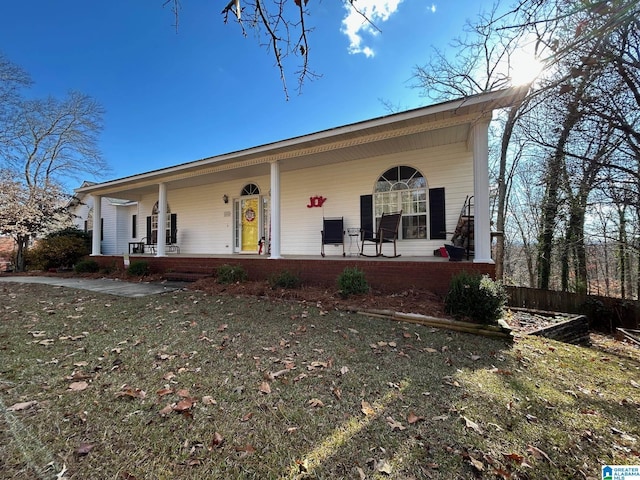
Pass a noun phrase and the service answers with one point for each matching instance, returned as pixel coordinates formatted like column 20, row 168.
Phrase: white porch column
column 275, row 210
column 162, row 220
column 97, row 226
column 482, row 219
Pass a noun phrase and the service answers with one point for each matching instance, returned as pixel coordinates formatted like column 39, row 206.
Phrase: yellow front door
column 250, row 224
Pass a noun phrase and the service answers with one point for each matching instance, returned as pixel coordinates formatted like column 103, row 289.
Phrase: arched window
column 250, row 189
column 154, row 224
column 403, row 188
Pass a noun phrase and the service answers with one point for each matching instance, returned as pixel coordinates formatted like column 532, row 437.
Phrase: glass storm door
column 248, row 221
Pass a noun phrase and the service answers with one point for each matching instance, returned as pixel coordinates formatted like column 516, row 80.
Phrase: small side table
column 136, row 247
column 354, row 238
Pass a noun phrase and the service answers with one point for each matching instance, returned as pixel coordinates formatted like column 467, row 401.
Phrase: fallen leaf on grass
column 131, row 392
column 84, row 449
column 164, row 391
column 16, row 407
column 394, row 424
column 274, row 375
column 216, row 441
column 477, row 464
column 184, row 405
column 166, row 410
column 314, row 365
column 472, row 425
column 440, row 418
column 539, row 454
column 184, row 393
column 78, row 386
column 517, row 458
column 47, row 342
column 384, row 467
column 38, row 333
column 247, row 449
column 265, row 388
column 208, row 400
column 315, row 403
column 366, row 408
column 413, row 418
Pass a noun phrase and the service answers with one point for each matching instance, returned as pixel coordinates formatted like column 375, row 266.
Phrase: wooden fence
column 604, row 313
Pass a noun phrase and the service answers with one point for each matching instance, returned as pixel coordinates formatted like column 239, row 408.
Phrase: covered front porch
column 386, row 275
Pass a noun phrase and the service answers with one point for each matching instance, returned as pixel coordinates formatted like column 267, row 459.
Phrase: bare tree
column 483, row 62
column 56, row 140
column 45, row 143
column 281, row 27
column 12, row 80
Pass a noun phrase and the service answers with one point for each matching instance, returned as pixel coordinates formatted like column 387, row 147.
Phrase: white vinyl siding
column 205, row 222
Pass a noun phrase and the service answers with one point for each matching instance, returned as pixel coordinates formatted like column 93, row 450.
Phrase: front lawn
column 194, row 386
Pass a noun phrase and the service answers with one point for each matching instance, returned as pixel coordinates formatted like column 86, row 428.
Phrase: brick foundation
column 381, row 274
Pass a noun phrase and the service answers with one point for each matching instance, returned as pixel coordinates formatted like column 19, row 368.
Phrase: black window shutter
column 149, row 240
column 366, row 216
column 134, row 226
column 101, row 229
column 86, row 226
column 437, row 214
column 173, row 231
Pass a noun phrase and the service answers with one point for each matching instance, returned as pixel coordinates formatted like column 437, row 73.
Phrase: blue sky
column 173, row 97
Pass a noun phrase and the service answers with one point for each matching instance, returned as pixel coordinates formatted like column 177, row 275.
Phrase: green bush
column 86, row 266
column 231, row 274
column 74, row 233
column 139, row 268
column 475, row 297
column 56, row 252
column 284, row 279
column 352, row 282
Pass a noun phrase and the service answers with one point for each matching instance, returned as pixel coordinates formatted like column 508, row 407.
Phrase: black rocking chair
column 387, row 232
column 332, row 233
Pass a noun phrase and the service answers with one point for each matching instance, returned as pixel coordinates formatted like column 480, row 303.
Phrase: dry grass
column 255, row 388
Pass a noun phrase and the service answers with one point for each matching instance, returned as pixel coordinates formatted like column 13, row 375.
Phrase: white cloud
column 433, row 8
column 354, row 25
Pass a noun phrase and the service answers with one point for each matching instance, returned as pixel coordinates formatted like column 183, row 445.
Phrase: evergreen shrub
column 139, row 268
column 86, row 266
column 476, row 298
column 231, row 274
column 352, row 282
column 284, row 279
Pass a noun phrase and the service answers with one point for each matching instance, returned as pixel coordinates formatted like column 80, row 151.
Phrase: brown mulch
column 408, row 301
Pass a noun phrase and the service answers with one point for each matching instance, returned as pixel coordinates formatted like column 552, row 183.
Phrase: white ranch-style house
column 271, row 199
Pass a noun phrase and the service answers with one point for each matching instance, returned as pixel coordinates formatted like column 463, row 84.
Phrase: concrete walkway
column 102, row 285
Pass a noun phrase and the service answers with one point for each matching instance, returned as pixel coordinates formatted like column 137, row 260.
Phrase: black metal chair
column 387, row 232
column 332, row 233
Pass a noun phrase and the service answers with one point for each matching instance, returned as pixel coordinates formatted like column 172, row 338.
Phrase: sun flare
column 524, row 68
